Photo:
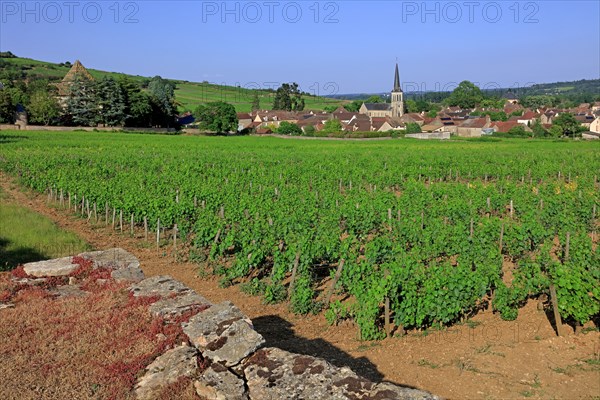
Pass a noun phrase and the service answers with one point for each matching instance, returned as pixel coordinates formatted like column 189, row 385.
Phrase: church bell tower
column 397, row 96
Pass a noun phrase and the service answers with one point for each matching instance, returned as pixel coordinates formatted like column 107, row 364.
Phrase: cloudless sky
column 326, row 46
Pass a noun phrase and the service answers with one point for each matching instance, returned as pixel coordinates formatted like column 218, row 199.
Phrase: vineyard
column 388, row 233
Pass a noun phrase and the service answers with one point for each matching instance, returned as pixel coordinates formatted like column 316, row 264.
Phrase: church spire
column 397, row 87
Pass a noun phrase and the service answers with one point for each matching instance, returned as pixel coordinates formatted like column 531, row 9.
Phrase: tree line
column 108, row 101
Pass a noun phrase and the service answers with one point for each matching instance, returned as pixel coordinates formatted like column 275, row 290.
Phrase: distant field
column 187, row 94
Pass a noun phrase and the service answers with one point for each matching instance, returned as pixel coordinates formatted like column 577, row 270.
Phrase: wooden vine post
column 553, row 297
column 386, row 311
column 145, row 228
column 336, row 278
column 175, row 239
column 557, row 318
column 157, row 234
column 294, row 271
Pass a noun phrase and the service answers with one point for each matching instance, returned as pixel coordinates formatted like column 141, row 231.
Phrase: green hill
column 583, row 90
column 187, row 94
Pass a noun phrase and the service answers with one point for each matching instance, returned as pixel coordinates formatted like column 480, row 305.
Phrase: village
column 450, row 121
column 371, row 119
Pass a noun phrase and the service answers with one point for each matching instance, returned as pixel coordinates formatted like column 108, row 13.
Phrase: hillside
column 582, row 86
column 187, row 94
column 580, row 89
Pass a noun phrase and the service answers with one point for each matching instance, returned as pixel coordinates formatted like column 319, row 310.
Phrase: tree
column 422, row 106
column 375, row 99
column 566, row 125
column 412, row 127
column 354, row 106
column 255, row 102
column 7, row 106
column 162, row 94
column 497, row 115
column 466, row 95
column 411, row 106
column 138, row 107
column 492, row 102
column 332, row 126
column 538, row 101
column 43, row 108
column 309, row 130
column 81, row 106
column 288, row 97
column 218, row 117
column 518, row 130
column 288, row 128
column 110, row 101
column 418, row 106
column 538, row 130
column 11, row 94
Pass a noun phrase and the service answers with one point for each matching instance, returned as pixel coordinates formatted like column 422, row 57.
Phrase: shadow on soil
column 9, row 259
column 278, row 333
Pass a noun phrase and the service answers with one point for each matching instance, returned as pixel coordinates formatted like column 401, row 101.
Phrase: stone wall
column 237, row 363
column 432, row 135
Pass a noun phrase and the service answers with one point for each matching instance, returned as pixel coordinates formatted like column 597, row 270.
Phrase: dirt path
column 487, row 358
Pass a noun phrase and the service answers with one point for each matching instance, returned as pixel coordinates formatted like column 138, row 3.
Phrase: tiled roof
column 377, row 106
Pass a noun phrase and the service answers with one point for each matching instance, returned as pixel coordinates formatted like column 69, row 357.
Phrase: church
column 393, row 109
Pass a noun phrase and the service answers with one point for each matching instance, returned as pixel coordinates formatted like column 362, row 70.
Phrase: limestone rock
column 387, row 390
column 167, row 368
column 163, row 286
column 218, row 383
column 68, row 291
column 272, row 373
column 57, row 267
column 6, row 305
column 175, row 306
column 129, row 274
column 30, row 281
column 115, row 258
column 223, row 333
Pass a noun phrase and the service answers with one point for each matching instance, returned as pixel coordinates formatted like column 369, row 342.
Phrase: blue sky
column 326, row 46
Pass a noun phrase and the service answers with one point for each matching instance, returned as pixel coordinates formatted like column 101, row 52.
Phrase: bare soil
column 485, row 358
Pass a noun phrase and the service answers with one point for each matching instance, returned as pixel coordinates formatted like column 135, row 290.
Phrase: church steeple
column 397, row 87
column 397, row 96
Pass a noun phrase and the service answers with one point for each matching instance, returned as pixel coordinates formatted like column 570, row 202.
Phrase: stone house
column 274, row 118
column 595, row 125
column 391, row 124
column 473, row 127
column 585, row 120
column 528, row 118
column 505, row 126
column 77, row 72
